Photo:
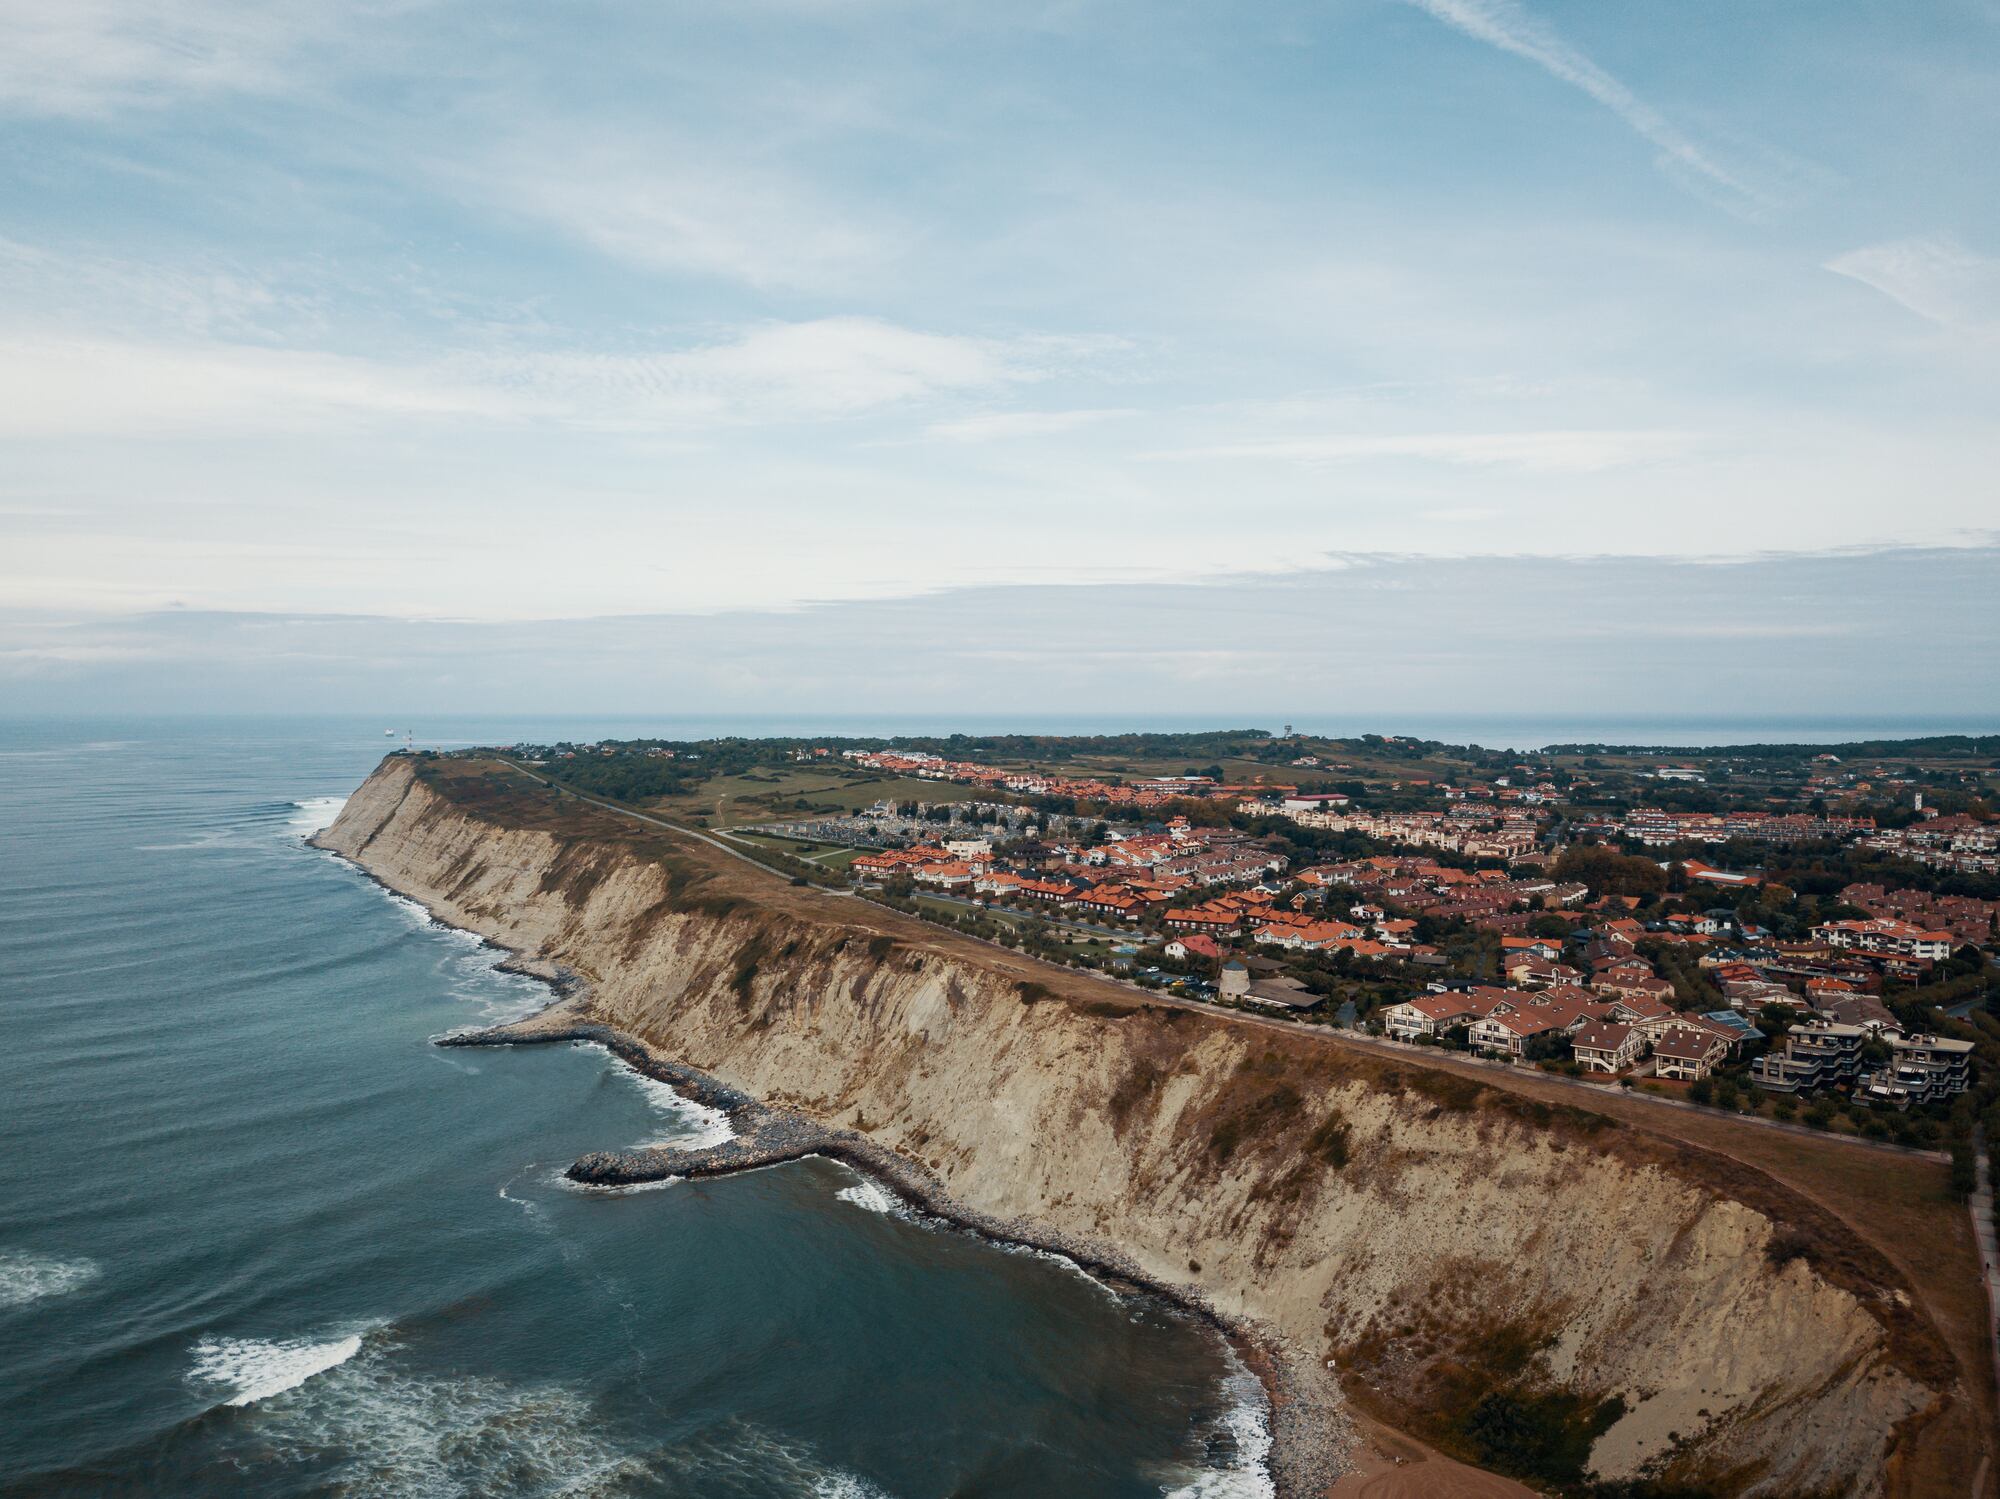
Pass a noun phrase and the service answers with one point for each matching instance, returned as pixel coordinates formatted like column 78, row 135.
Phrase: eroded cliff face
column 1439, row 1238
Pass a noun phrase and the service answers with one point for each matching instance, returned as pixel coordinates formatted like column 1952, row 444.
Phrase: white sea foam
column 696, row 1126
column 872, row 1196
column 844, row 1486
column 1062, row 1261
column 1247, row 1427
column 26, row 1276
column 737, row 1457
column 315, row 813
column 258, row 1368
column 398, row 1434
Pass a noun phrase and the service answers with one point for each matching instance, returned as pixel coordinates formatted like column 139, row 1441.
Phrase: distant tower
column 1917, row 802
column 1288, row 731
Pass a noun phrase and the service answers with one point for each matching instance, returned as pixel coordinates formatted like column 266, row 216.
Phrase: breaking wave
column 873, row 1197
column 695, row 1126
column 258, row 1368
column 314, row 813
column 368, row 1427
column 26, row 1277
column 1239, row 1444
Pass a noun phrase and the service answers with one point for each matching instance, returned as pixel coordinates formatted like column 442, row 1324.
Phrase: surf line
column 1307, row 1415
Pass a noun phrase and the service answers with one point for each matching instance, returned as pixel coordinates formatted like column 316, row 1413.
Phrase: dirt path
column 1389, row 1465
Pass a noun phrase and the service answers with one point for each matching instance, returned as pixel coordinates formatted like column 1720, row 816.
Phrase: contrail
column 1504, row 24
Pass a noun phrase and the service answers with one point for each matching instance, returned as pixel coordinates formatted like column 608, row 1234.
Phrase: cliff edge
column 1541, row 1287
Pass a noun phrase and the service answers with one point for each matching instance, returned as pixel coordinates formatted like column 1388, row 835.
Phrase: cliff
column 1524, row 1282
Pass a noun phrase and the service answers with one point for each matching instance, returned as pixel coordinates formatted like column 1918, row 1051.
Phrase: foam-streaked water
column 258, row 1235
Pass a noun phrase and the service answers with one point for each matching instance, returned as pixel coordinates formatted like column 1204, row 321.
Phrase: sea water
column 259, row 1236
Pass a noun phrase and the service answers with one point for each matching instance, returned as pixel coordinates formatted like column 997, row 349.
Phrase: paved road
column 1431, row 1056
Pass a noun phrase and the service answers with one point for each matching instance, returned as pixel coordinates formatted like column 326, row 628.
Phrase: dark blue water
column 257, row 1235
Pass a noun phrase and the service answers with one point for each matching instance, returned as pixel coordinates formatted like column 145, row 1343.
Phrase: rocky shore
column 1311, row 1435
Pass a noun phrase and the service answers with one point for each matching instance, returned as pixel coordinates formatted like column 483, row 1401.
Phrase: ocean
column 259, row 1236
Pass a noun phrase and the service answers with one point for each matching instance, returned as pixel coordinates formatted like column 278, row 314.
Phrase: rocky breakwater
column 1311, row 1437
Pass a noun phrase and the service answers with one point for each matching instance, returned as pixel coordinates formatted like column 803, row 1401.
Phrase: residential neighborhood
column 1779, row 932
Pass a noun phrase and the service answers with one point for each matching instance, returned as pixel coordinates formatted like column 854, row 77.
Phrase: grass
column 773, row 796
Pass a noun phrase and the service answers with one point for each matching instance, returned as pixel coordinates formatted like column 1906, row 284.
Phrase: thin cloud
column 1504, row 24
column 675, row 206
column 1535, row 452
column 1000, row 426
column 84, row 58
column 1934, row 276
column 59, row 385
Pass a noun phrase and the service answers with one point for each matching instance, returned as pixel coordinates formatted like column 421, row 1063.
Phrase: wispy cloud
column 90, row 57
column 999, row 426
column 690, row 206
column 1507, row 25
column 1535, row 452
column 61, row 385
column 1933, row 275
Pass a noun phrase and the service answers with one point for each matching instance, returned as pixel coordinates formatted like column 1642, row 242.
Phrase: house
column 1731, row 1026
column 1864, row 1010
column 1887, row 936
column 1688, row 1053
column 1510, row 1032
column 1311, row 936
column 1532, row 971
column 1606, row 1046
column 1434, row 1014
column 1193, row 919
column 1640, row 1010
column 1111, row 900
column 1629, row 987
column 1193, row 948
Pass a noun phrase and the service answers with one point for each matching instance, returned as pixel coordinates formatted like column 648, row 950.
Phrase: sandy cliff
column 1675, row 1313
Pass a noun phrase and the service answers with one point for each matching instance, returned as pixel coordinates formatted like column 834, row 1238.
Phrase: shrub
column 1544, row 1437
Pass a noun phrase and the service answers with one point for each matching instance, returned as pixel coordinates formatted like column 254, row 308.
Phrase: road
column 1430, row 1056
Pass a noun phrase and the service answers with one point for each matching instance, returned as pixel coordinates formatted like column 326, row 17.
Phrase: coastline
column 1311, row 1434
column 1313, row 1441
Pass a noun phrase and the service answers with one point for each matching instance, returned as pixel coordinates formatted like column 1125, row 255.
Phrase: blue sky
column 506, row 312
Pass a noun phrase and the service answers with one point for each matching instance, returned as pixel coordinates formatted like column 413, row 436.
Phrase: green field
column 803, row 791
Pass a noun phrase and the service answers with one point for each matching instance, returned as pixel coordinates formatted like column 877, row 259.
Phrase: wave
column 370, row 1426
column 314, row 813
column 871, row 1196
column 1243, row 1433
column 26, row 1276
column 735, row 1458
column 696, row 1125
column 258, row 1368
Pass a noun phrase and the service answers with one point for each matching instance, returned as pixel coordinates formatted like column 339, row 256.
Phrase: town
column 1799, row 935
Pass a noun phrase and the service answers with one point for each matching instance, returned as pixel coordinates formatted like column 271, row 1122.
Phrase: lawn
column 801, row 792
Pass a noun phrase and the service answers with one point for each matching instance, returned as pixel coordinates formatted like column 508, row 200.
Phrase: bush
column 1964, row 1174
column 1544, row 1437
column 1701, row 1090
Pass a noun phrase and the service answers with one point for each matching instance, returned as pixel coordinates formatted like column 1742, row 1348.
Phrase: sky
column 610, row 353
